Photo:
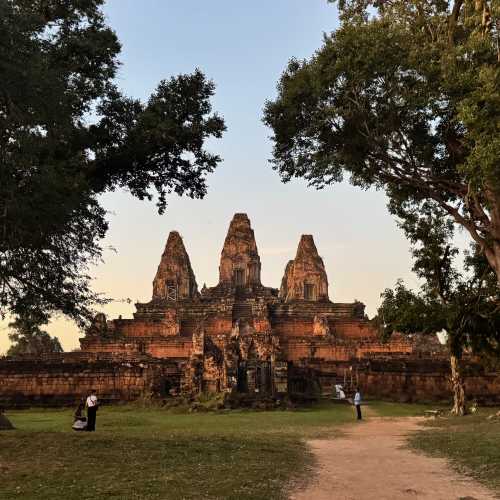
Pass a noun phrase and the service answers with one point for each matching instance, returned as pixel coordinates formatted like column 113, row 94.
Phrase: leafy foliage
column 67, row 135
column 404, row 96
column 464, row 304
column 29, row 338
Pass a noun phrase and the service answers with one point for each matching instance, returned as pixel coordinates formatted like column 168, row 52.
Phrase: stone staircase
column 243, row 311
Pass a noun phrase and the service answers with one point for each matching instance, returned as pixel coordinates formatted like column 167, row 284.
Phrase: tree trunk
column 458, row 385
column 496, row 258
column 492, row 253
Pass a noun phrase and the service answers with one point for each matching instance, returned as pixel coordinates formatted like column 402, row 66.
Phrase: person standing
column 92, row 405
column 357, row 403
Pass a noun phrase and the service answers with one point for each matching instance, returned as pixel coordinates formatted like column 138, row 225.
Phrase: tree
column 464, row 305
column 29, row 338
column 67, row 135
column 404, row 96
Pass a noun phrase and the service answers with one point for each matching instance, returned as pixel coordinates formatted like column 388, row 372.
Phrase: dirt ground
column 369, row 461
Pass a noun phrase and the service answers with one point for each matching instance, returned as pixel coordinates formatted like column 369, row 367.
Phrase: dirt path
column 369, row 462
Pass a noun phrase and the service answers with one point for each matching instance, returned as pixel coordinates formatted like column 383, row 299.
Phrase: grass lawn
column 153, row 453
column 472, row 443
column 388, row 409
column 157, row 454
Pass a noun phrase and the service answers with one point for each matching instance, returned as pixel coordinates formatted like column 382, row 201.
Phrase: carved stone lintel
column 171, row 323
column 321, row 328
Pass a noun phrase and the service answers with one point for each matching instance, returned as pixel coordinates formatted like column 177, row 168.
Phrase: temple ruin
column 239, row 336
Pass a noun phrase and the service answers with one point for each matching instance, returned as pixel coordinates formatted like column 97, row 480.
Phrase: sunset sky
column 243, row 47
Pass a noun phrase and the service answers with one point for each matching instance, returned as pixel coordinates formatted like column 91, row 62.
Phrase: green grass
column 388, row 409
column 155, row 454
column 472, row 444
column 141, row 453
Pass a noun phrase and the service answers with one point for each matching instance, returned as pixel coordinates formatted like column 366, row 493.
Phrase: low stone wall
column 426, row 380
column 60, row 382
column 62, row 379
column 404, row 380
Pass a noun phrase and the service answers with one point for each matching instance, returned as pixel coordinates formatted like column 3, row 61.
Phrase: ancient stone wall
column 62, row 380
column 426, row 380
column 166, row 326
column 55, row 381
column 404, row 380
column 156, row 347
column 216, row 326
column 296, row 350
column 294, row 327
column 25, row 383
column 354, row 329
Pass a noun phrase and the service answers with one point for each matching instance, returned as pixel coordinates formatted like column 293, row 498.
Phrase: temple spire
column 305, row 277
column 174, row 279
column 240, row 261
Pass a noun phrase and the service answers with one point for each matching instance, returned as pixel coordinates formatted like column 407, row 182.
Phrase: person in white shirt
column 357, row 402
column 92, row 405
column 339, row 391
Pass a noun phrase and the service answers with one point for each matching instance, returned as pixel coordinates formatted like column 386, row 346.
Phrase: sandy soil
column 369, row 462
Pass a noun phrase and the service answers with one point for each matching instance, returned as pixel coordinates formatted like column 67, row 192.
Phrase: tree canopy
column 28, row 338
column 67, row 135
column 404, row 96
column 464, row 304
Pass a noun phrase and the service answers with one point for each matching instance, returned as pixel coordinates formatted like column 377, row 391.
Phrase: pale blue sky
column 243, row 47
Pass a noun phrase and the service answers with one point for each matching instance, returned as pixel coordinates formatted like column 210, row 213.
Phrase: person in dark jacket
column 80, row 421
column 357, row 403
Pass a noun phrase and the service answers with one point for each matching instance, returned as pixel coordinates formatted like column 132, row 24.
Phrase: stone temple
column 239, row 336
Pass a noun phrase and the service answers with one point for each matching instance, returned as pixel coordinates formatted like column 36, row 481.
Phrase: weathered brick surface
column 306, row 270
column 175, row 278
column 397, row 378
column 240, row 254
column 25, row 382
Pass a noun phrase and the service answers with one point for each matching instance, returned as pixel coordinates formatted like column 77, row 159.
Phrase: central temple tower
column 240, row 262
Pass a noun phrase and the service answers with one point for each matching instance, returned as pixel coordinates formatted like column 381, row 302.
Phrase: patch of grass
column 155, row 454
column 472, row 444
column 388, row 409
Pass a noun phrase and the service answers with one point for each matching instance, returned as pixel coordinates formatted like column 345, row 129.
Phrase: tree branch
column 452, row 21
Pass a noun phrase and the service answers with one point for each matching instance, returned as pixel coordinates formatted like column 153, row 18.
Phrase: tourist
column 92, row 406
column 357, row 402
column 80, row 421
column 339, row 391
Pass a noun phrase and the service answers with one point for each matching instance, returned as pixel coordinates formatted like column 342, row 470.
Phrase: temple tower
column 174, row 279
column 305, row 277
column 240, row 262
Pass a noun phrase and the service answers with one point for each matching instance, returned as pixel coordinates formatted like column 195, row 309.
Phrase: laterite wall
column 52, row 383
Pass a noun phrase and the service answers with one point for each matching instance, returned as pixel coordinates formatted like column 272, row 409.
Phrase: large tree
column 27, row 337
column 67, row 135
column 404, row 96
column 465, row 304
